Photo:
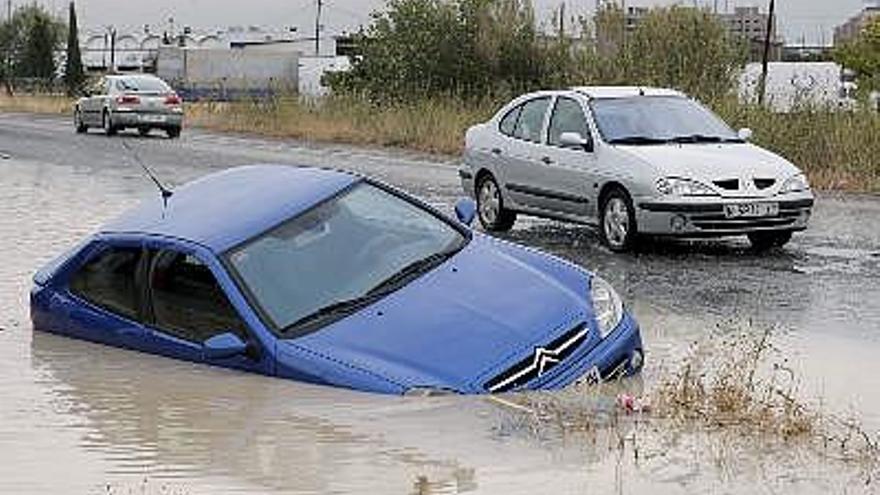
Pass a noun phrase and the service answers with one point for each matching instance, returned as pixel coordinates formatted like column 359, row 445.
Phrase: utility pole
column 762, row 86
column 320, row 5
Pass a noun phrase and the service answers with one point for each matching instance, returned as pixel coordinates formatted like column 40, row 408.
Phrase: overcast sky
column 811, row 19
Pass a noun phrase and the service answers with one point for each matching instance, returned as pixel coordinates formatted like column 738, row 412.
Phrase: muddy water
column 81, row 418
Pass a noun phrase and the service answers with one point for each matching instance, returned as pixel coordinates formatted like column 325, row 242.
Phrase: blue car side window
column 108, row 280
column 187, row 301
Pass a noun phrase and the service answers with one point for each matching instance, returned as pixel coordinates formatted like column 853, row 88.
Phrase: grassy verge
column 38, row 104
column 433, row 126
column 838, row 150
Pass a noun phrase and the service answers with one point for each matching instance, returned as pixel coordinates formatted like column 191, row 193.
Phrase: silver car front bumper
column 707, row 216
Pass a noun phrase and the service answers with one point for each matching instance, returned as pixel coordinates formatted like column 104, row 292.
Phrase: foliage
column 27, row 44
column 683, row 48
column 463, row 47
column 863, row 56
column 74, row 75
column 480, row 48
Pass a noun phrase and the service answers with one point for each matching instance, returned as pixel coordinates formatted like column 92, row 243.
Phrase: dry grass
column 38, row 104
column 838, row 150
column 735, row 386
column 433, row 126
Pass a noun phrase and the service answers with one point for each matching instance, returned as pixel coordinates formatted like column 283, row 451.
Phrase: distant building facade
column 850, row 30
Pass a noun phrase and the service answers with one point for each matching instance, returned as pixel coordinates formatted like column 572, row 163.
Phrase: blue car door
column 103, row 300
column 187, row 306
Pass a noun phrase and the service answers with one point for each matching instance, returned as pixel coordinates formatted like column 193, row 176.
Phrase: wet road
column 81, row 418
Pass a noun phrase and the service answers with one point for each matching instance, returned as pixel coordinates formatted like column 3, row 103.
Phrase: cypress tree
column 74, row 76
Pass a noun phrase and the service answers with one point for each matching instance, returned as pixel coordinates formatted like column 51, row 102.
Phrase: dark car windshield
column 341, row 256
column 646, row 120
column 143, row 84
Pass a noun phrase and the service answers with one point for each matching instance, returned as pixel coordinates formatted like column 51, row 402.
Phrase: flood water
column 82, row 418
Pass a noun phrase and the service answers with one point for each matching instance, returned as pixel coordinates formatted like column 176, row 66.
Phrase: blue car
column 331, row 278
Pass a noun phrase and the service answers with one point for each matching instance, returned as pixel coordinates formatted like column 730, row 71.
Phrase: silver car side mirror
column 575, row 140
column 745, row 134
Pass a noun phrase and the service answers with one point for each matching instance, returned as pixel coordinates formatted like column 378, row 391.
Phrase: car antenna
column 164, row 191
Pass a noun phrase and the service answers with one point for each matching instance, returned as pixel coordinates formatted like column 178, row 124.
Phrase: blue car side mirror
column 466, row 210
column 224, row 346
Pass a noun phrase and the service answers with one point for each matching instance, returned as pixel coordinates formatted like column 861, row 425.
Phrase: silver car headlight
column 797, row 183
column 607, row 306
column 673, row 186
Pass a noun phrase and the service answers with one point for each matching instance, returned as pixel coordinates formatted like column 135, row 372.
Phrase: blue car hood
column 462, row 323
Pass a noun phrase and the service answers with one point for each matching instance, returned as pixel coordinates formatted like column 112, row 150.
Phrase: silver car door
column 521, row 162
column 568, row 170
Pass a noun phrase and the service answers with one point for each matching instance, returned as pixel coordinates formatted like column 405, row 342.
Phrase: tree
column 27, row 44
column 74, row 76
column 862, row 55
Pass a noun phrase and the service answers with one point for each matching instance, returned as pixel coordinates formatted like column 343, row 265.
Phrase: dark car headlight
column 607, row 306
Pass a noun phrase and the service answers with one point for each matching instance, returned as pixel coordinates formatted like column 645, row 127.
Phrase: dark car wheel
column 762, row 241
column 78, row 122
column 173, row 132
column 107, row 122
column 617, row 221
column 490, row 206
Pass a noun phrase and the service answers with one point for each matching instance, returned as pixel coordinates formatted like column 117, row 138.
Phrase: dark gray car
column 131, row 101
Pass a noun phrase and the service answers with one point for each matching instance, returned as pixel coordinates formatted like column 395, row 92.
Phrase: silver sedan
column 132, row 101
column 632, row 161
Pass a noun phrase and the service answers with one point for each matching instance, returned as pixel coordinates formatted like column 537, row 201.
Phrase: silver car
column 131, row 101
column 632, row 161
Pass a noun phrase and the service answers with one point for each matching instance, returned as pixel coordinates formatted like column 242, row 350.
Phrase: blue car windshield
column 341, row 256
column 650, row 120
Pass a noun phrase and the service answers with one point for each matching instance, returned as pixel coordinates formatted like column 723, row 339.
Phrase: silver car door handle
column 547, row 160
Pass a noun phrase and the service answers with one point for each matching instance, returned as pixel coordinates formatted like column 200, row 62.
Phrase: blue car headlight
column 607, row 306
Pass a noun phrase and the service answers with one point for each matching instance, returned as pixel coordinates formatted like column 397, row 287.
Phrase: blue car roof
column 224, row 209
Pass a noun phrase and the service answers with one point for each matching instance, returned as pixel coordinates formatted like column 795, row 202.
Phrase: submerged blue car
column 332, row 278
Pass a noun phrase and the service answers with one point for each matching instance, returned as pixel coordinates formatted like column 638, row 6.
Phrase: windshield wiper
column 412, row 270
column 697, row 138
column 637, row 140
column 341, row 309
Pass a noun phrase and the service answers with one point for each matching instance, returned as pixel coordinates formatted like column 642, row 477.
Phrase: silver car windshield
column 657, row 120
column 341, row 256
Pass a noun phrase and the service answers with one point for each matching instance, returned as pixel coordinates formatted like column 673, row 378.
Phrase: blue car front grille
column 540, row 362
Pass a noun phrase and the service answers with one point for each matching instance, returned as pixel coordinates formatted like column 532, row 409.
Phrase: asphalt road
column 821, row 293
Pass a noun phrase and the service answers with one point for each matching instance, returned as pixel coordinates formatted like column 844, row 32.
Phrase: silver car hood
column 710, row 162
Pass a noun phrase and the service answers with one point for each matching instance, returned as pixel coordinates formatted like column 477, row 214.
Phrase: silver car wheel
column 489, row 202
column 616, row 222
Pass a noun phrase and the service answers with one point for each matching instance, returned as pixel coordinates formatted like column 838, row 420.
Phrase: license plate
column 153, row 118
column 751, row 210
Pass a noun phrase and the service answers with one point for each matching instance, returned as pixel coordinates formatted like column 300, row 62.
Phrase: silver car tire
column 490, row 206
column 78, row 123
column 617, row 225
column 107, row 124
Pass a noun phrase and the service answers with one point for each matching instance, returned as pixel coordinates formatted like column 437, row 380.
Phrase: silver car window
column 508, row 123
column 568, row 116
column 531, row 120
